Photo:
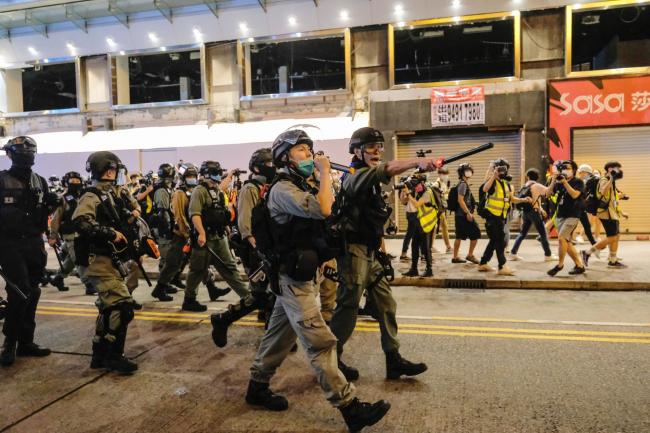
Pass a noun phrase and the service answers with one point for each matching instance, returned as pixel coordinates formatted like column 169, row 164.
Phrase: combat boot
column 350, row 373
column 259, row 394
column 413, row 272
column 193, row 305
column 32, row 349
column 100, row 350
column 90, row 289
column 121, row 364
column 58, row 282
column 160, row 292
column 358, row 414
column 178, row 282
column 8, row 354
column 214, row 292
column 222, row 321
column 397, row 366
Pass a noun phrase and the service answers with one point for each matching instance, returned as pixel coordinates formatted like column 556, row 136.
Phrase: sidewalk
column 530, row 272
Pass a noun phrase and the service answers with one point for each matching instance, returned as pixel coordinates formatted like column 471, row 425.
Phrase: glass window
column 161, row 77
column 49, row 87
column 455, row 51
column 610, row 38
column 297, row 66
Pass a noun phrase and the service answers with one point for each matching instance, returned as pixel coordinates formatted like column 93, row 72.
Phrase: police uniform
column 181, row 233
column 25, row 203
column 165, row 222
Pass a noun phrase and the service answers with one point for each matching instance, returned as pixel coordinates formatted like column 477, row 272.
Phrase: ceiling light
column 251, row 40
column 292, row 21
column 399, row 10
column 344, row 15
column 163, row 48
column 455, row 4
column 46, row 60
column 298, row 35
column 111, row 43
column 243, row 27
column 401, row 24
column 473, row 30
column 153, row 38
column 122, row 53
column 197, row 34
column 32, row 51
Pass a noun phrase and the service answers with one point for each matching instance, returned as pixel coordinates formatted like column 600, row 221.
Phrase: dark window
column 165, row 77
column 610, row 38
column 298, row 66
column 448, row 52
column 49, row 87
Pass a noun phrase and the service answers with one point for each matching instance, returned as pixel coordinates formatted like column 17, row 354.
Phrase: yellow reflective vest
column 498, row 203
column 428, row 213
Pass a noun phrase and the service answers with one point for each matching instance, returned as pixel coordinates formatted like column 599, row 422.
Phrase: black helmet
column 166, row 171
column 187, row 170
column 501, row 162
column 462, row 167
column 70, row 175
column 99, row 163
column 259, row 158
column 20, row 144
column 363, row 136
column 211, row 168
column 286, row 141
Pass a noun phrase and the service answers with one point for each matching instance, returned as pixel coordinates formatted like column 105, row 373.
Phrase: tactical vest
column 23, row 212
column 108, row 214
column 70, row 205
column 215, row 215
column 498, row 203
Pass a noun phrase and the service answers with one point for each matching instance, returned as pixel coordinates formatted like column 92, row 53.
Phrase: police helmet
column 259, row 158
column 166, row 171
column 501, row 162
column 211, row 168
column 286, row 141
column 100, row 162
column 21, row 144
column 65, row 180
column 363, row 136
column 187, row 170
column 462, row 167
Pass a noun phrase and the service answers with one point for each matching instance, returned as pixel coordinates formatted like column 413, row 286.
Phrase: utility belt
column 356, row 238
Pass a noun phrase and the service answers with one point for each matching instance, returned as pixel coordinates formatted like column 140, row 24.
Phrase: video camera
column 422, row 153
column 410, row 182
column 147, row 179
column 617, row 173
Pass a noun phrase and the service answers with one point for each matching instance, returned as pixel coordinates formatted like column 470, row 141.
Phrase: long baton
column 467, row 153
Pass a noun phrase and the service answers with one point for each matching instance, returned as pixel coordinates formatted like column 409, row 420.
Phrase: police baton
column 57, row 253
column 467, row 153
column 11, row 286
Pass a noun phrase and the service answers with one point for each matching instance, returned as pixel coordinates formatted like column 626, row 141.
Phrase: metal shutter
column 506, row 145
column 631, row 147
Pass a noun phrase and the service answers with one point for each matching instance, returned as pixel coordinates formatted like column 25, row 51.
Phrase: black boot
column 358, row 414
column 193, row 305
column 58, row 282
column 178, row 282
column 259, row 394
column 116, row 360
column 428, row 273
column 350, row 373
column 160, row 292
column 214, row 292
column 100, row 351
column 397, row 366
column 413, row 272
column 170, row 290
column 222, row 321
column 32, row 349
column 8, row 354
column 90, row 289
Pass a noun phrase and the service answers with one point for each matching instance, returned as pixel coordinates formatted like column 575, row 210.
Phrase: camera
column 617, row 173
column 147, row 179
column 391, row 228
column 409, row 182
column 560, row 177
column 422, row 153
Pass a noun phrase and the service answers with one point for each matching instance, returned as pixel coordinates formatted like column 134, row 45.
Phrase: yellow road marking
column 455, row 331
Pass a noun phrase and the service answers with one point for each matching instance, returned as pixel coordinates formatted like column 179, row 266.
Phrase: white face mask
column 468, row 174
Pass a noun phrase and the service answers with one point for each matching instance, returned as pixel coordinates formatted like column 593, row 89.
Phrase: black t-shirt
column 567, row 206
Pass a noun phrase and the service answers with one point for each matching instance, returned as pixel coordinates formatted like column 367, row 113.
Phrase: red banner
column 594, row 102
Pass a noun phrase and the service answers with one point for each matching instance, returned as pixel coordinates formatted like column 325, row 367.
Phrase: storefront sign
column 594, row 102
column 457, row 106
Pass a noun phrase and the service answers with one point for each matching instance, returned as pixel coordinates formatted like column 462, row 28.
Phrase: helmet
column 187, row 170
column 211, row 168
column 20, row 144
column 501, row 162
column 260, row 157
column 363, row 136
column 70, row 175
column 166, row 171
column 464, row 166
column 100, row 162
column 286, row 141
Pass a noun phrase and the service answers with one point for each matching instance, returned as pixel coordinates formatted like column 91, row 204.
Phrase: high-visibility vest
column 428, row 214
column 498, row 203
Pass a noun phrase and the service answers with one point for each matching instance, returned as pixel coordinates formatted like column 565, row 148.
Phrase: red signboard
column 594, row 102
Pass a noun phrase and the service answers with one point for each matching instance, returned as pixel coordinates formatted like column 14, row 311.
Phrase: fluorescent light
column 122, row 53
column 71, row 48
column 251, row 39
column 298, row 35
column 153, row 38
column 32, row 51
column 46, row 60
column 432, row 34
column 292, row 21
column 344, row 15
column 243, row 27
column 197, row 34
column 455, row 4
column 398, row 10
column 456, row 19
column 401, row 24
column 111, row 43
column 163, row 48
column 472, row 30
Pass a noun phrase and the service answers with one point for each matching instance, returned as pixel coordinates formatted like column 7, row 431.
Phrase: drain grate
column 465, row 284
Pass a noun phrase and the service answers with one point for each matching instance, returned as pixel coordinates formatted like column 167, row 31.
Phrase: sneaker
column 449, row 250
column 553, row 272
column 580, row 240
column 505, row 272
column 585, row 257
column 597, row 254
column 616, row 265
column 551, row 258
column 458, row 260
column 472, row 259
column 514, row 258
column 485, row 268
column 577, row 271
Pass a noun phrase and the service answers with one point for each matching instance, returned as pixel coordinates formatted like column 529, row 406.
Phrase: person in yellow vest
column 609, row 213
column 423, row 200
column 499, row 196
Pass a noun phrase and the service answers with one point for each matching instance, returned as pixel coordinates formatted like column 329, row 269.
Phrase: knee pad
column 126, row 313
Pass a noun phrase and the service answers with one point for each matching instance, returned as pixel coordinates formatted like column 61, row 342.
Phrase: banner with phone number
column 464, row 105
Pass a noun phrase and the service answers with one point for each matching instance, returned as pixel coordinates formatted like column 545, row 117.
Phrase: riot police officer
column 162, row 224
column 25, row 203
column 61, row 228
column 297, row 213
column 209, row 215
column 262, row 174
column 363, row 214
column 101, row 220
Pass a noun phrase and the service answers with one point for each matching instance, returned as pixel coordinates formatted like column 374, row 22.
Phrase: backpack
column 524, row 191
column 452, row 199
column 262, row 224
column 592, row 201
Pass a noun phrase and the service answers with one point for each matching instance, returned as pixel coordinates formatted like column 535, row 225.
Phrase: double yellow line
column 405, row 328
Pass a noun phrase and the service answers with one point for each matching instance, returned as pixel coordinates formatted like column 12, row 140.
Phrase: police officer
column 297, row 215
column 262, row 174
column 162, row 223
column 99, row 219
column 364, row 214
column 25, row 203
column 210, row 215
column 62, row 228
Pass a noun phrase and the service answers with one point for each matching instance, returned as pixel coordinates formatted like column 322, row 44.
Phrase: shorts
column 566, row 227
column 612, row 227
column 466, row 229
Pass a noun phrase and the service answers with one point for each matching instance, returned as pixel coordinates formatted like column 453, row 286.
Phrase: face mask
column 23, row 159
column 192, row 181
column 468, row 174
column 267, row 172
column 306, row 167
column 120, row 180
column 74, row 188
